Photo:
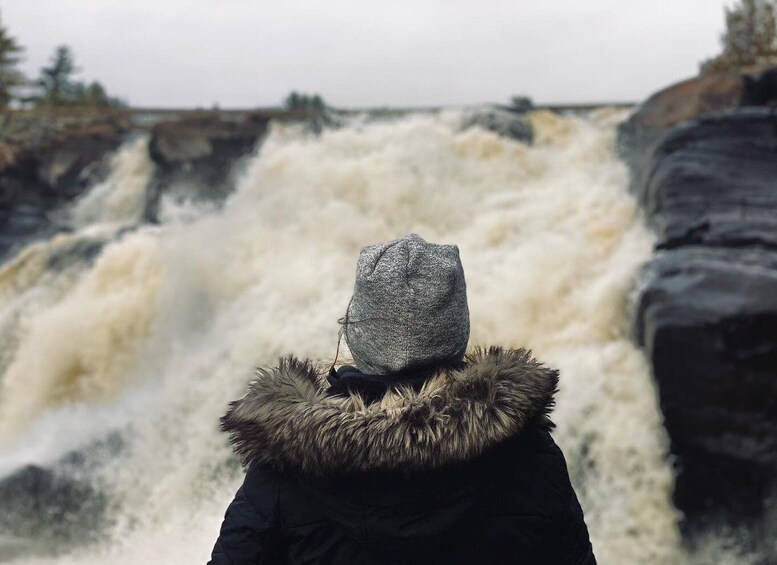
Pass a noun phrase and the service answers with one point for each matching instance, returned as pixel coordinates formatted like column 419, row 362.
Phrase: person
column 418, row 454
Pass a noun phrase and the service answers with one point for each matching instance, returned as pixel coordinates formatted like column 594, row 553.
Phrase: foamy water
column 120, row 199
column 164, row 326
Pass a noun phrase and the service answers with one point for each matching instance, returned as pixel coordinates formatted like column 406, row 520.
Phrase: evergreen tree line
column 750, row 39
column 56, row 85
column 306, row 102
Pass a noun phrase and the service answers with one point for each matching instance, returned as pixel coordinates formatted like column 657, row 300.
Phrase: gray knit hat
column 409, row 307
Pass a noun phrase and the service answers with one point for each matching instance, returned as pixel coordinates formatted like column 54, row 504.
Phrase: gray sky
column 244, row 53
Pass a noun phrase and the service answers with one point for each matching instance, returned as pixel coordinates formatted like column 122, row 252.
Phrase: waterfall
column 150, row 336
column 121, row 198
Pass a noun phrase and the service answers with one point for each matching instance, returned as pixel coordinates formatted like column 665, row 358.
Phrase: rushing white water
column 121, row 198
column 164, row 327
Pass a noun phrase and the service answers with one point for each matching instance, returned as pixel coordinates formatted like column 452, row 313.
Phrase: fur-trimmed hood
column 287, row 420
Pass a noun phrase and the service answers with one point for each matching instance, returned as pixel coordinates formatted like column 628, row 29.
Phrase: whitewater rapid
column 161, row 327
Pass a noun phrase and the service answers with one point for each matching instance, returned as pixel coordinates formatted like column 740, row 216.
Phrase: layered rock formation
column 704, row 166
column 47, row 158
column 195, row 155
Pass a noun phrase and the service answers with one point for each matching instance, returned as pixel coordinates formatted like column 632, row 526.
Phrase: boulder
column 50, row 507
column 186, row 142
column 502, row 121
column 521, row 104
column 195, row 155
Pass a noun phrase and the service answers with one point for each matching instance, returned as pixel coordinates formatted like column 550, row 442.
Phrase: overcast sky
column 245, row 53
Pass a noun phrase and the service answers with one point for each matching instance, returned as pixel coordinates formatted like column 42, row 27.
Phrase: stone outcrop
column 43, row 504
column 48, row 508
column 48, row 158
column 692, row 99
column 502, row 121
column 196, row 155
column 704, row 167
column 712, row 182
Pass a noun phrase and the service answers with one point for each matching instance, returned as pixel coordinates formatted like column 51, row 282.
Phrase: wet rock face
column 46, row 160
column 195, row 155
column 47, row 157
column 708, row 322
column 713, row 182
column 47, row 509
column 190, row 140
column 41, row 503
column 707, row 315
column 502, row 121
column 690, row 100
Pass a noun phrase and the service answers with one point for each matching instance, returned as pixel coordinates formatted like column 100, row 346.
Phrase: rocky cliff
column 703, row 156
column 48, row 158
column 196, row 155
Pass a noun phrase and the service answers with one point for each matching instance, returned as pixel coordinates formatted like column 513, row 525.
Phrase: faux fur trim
column 287, row 421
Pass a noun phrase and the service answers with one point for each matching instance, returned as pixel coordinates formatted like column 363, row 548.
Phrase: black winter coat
column 463, row 470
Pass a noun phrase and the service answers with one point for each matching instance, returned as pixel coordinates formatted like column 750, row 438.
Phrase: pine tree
column 95, row 95
column 62, row 90
column 57, row 80
column 10, row 56
column 750, row 38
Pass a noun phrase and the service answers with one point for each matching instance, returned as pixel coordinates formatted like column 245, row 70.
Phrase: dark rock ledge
column 703, row 156
column 195, row 155
column 48, row 158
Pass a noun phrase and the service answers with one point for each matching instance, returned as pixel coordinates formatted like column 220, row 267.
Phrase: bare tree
column 750, row 38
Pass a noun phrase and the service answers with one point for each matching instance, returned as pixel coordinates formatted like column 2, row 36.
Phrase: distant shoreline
column 272, row 110
column 151, row 115
column 148, row 116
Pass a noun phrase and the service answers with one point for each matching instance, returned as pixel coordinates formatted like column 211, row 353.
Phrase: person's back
column 442, row 460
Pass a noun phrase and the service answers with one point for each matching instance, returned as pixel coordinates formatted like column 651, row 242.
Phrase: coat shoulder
column 534, row 476
column 262, row 488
